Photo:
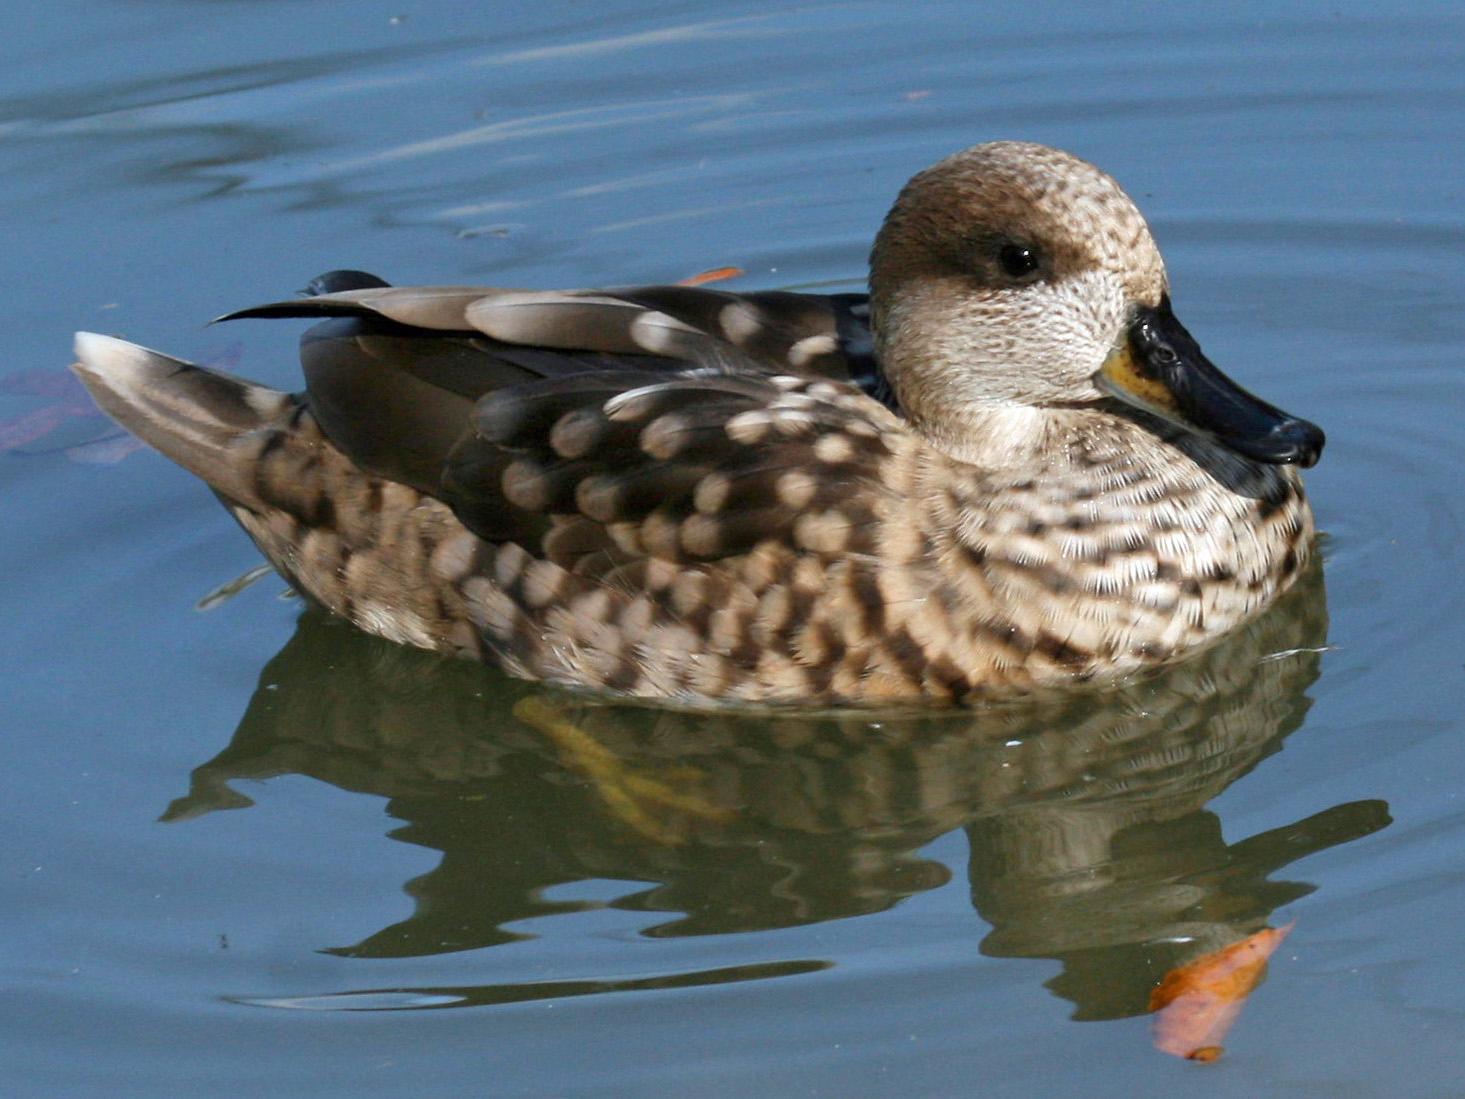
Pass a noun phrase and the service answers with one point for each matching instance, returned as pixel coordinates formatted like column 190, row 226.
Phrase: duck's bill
column 1160, row 368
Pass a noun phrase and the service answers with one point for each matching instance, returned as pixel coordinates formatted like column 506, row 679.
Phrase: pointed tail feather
column 194, row 416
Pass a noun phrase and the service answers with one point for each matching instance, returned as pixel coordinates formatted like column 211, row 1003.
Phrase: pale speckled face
column 1003, row 277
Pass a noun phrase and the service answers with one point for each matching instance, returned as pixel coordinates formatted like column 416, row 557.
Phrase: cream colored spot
column 702, row 535
column 491, row 610
column 542, row 581
column 795, row 488
column 452, row 558
column 637, row 618
column 711, row 492
column 726, row 630
column 792, row 423
column 661, row 574
column 688, row 592
column 783, row 678
column 627, row 537
column 800, row 402
column 320, row 553
column 834, row 447
column 749, row 427
column 823, row 532
column 659, row 333
column 885, row 682
column 809, row 575
column 772, row 614
column 575, row 433
column 594, row 606
column 666, row 436
column 762, row 565
column 477, row 589
column 810, row 348
column 508, row 562
column 397, row 496
column 598, row 496
column 659, row 534
column 711, row 675
column 596, row 664
column 740, row 322
column 525, row 485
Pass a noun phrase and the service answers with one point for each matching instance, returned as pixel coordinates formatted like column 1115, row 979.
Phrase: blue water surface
column 373, row 876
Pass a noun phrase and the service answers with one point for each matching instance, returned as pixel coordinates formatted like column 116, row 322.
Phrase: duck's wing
column 781, row 331
column 595, row 428
column 605, row 471
column 393, row 372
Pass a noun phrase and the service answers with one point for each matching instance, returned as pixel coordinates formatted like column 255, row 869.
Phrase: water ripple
column 419, row 999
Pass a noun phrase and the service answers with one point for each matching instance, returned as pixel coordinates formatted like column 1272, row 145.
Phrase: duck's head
column 1012, row 278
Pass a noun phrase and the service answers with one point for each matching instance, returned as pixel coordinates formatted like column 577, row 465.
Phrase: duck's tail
column 196, row 417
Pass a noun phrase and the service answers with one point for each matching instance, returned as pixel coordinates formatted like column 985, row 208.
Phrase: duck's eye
column 1017, row 260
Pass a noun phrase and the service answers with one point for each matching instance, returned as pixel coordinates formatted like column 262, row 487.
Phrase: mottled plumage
column 1010, row 468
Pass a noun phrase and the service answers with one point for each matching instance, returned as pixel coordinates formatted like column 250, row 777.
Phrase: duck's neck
column 999, row 437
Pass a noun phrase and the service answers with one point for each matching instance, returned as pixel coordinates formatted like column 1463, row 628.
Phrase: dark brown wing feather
column 397, row 399
column 820, row 334
column 597, row 428
column 599, row 470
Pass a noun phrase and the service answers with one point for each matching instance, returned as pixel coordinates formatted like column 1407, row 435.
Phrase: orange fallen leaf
column 715, row 274
column 1196, row 1003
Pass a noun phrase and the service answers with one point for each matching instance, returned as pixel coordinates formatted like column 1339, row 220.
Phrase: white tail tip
column 116, row 359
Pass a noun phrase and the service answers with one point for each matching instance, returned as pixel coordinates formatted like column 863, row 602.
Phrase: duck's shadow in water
column 1089, row 839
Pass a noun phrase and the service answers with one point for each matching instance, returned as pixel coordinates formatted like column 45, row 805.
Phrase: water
column 376, row 875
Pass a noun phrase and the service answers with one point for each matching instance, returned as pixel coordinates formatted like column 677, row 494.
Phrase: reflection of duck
column 1010, row 466
column 1089, row 841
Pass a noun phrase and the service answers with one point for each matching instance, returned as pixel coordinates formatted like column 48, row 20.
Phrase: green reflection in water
column 1090, row 842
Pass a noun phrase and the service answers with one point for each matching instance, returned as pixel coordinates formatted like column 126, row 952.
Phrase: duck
column 1007, row 468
